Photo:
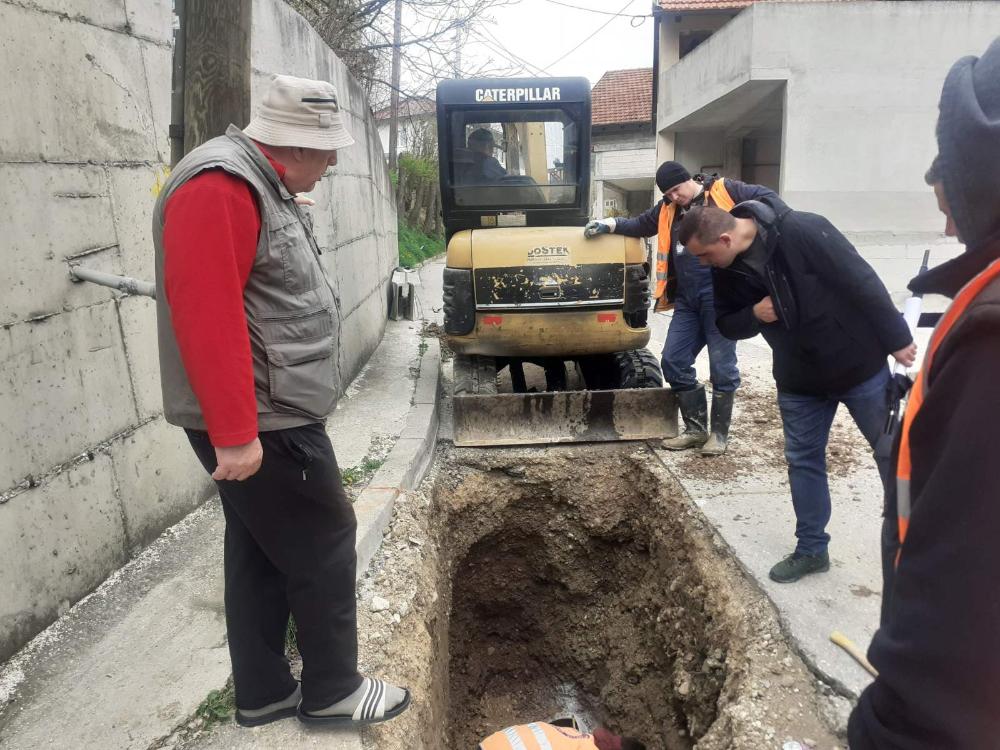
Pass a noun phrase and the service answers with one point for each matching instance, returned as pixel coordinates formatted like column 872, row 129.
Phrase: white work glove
column 600, row 226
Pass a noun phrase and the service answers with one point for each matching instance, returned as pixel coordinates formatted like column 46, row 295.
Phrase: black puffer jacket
column 836, row 323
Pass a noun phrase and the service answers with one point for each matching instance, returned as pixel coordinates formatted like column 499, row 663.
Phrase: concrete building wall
column 701, row 150
column 860, row 110
column 861, row 86
column 89, row 471
column 860, row 115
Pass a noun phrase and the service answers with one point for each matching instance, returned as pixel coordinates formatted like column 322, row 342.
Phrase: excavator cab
column 514, row 154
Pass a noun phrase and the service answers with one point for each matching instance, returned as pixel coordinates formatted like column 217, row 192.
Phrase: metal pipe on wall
column 121, row 283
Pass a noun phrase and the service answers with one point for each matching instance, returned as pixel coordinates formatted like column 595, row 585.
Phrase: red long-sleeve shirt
column 210, row 234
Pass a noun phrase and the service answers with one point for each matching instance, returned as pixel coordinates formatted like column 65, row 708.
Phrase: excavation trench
column 528, row 584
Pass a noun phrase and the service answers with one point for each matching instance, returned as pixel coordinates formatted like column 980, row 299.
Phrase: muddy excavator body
column 522, row 285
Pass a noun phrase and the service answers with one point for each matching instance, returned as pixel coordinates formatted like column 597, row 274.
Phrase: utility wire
column 588, row 38
column 528, row 65
column 601, row 12
column 497, row 46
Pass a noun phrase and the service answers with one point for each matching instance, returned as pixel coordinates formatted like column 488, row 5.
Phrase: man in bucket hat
column 247, row 323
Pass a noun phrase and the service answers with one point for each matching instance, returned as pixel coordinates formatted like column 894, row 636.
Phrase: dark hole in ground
column 557, row 603
column 582, row 580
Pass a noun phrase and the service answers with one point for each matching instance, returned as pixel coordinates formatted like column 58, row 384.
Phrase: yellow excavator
column 523, row 286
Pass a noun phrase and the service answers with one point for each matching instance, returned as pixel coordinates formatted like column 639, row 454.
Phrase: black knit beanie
column 669, row 174
column 968, row 135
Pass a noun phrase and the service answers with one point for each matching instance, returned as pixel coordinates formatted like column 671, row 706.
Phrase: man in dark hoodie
column 793, row 278
column 936, row 652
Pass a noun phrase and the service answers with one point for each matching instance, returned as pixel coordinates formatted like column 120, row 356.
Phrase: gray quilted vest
column 290, row 304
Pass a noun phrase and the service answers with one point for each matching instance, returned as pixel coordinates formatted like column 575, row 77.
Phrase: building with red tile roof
column 623, row 165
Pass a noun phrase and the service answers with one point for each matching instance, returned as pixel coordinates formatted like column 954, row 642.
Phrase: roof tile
column 622, row 97
column 683, row 5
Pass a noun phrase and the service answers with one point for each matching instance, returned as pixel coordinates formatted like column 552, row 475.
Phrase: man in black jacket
column 793, row 278
column 936, row 652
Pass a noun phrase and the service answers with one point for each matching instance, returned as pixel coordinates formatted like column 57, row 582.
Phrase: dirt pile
column 757, row 441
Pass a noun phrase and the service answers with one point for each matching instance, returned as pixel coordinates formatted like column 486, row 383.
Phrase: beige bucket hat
column 300, row 112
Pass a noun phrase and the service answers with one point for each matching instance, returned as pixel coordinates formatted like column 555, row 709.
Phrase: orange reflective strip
column 904, row 462
column 663, row 227
column 538, row 736
column 718, row 195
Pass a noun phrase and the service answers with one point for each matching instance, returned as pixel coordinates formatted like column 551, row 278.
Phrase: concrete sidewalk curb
column 406, row 464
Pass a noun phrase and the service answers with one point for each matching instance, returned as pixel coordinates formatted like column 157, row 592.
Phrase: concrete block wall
column 89, row 471
column 625, row 163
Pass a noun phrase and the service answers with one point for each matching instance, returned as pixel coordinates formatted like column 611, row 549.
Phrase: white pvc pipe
column 121, row 283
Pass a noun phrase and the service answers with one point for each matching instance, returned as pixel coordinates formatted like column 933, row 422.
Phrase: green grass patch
column 362, row 472
column 415, row 247
column 291, row 643
column 218, row 706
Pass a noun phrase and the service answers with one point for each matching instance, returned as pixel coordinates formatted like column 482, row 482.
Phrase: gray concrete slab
column 80, row 169
column 54, row 551
column 77, row 218
column 152, row 19
column 72, row 365
column 106, row 88
column 130, row 664
column 137, row 316
column 160, row 481
column 132, row 659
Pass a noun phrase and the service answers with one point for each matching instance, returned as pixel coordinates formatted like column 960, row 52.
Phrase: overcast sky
column 543, row 33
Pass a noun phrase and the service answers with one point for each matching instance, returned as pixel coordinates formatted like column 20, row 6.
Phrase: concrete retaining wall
column 89, row 471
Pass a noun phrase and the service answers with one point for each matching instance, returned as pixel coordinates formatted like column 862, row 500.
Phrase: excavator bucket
column 564, row 417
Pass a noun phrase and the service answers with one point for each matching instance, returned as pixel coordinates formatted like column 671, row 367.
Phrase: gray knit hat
column 968, row 135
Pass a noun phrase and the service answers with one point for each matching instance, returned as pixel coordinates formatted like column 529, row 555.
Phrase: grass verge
column 415, row 247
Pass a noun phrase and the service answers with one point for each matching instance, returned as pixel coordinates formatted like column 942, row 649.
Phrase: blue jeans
column 691, row 328
column 806, row 421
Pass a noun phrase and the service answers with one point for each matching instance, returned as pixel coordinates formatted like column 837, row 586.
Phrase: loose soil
column 757, row 441
column 524, row 584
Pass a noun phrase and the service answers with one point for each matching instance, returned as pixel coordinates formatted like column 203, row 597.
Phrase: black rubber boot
column 694, row 411
column 722, row 415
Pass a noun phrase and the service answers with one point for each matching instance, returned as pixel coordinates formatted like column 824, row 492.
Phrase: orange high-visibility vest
column 718, row 195
column 538, row 736
column 918, row 393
